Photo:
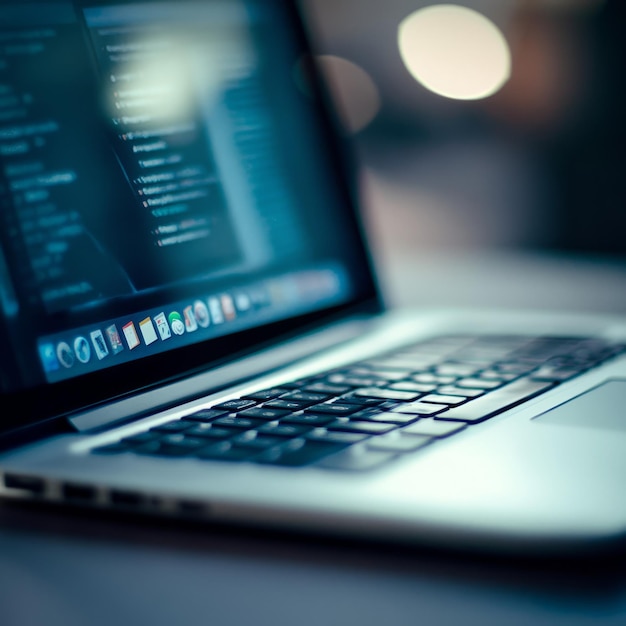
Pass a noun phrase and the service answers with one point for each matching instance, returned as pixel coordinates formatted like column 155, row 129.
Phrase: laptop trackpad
column 601, row 407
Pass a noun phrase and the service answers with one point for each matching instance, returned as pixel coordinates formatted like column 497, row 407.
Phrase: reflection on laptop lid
column 166, row 199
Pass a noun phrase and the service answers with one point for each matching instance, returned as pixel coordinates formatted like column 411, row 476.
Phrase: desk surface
column 76, row 568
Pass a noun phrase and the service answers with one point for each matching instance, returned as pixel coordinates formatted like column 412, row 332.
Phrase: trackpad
column 601, row 407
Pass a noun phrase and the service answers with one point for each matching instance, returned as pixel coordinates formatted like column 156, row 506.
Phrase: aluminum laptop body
column 179, row 239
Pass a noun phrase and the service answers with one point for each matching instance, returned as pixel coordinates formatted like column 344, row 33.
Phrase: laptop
column 191, row 326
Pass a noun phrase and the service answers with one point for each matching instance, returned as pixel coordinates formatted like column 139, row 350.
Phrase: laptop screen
column 164, row 182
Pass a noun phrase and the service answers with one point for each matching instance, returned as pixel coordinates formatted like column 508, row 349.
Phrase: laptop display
column 161, row 187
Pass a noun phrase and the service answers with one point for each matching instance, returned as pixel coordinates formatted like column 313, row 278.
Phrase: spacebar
column 495, row 401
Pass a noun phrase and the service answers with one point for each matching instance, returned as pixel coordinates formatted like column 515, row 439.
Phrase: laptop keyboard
column 378, row 410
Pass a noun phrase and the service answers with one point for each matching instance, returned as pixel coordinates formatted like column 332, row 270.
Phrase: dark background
column 538, row 166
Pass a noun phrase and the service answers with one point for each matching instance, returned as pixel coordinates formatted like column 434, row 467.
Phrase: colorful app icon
column 277, row 292
column 201, row 313
column 65, row 355
column 176, row 323
column 48, row 357
column 132, row 338
column 190, row 319
column 260, row 298
column 216, row 311
column 228, row 306
column 147, row 330
column 162, row 326
column 99, row 345
column 242, row 302
column 114, row 339
column 82, row 349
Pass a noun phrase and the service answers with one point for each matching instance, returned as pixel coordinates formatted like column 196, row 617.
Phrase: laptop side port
column 79, row 493
column 32, row 485
column 126, row 498
column 192, row 509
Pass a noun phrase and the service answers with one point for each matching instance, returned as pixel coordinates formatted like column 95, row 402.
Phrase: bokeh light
column 354, row 92
column 455, row 52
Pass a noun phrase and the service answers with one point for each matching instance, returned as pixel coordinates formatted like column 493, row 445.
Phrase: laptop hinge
column 33, row 433
column 219, row 378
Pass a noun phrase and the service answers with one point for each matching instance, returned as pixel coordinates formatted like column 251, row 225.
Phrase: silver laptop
column 191, row 327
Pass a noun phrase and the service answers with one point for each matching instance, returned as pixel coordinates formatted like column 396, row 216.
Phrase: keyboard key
column 495, row 402
column 429, row 427
column 225, row 451
column 357, row 460
column 236, row 405
column 555, row 374
column 305, row 399
column 327, row 389
column 177, row 439
column 180, row 444
column 334, row 408
column 387, row 417
column 390, row 375
column 263, row 413
column 396, row 442
column 433, row 379
column 206, row 415
column 408, row 385
column 172, row 427
column 451, row 390
column 516, row 367
column 149, row 448
column 254, row 440
column 354, row 381
column 388, row 394
column 282, row 430
column 172, row 445
column 366, row 412
column 399, row 362
column 478, row 383
column 297, row 384
column 437, row 398
column 243, row 423
column 210, row 431
column 365, row 428
column 495, row 375
column 361, row 401
column 299, row 452
column 419, row 408
column 312, row 420
column 284, row 405
column 455, row 369
column 266, row 394
column 321, row 434
column 141, row 438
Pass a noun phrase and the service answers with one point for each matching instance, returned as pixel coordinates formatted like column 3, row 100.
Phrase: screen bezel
column 58, row 400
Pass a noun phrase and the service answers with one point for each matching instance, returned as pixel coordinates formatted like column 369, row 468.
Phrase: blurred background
column 483, row 125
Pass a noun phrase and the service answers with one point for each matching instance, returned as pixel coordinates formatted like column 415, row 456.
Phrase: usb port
column 126, row 498
column 79, row 493
column 35, row 486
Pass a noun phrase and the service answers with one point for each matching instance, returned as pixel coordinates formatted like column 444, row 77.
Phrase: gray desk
column 76, row 569
column 68, row 568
